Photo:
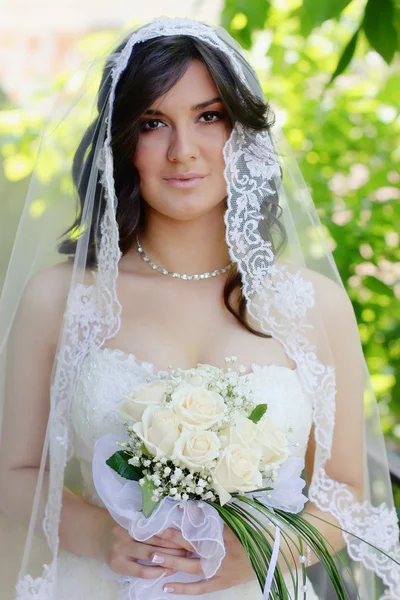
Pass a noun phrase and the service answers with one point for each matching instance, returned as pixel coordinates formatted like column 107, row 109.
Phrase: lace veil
column 282, row 287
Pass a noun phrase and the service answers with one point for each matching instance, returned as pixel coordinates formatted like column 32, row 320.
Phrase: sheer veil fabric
column 282, row 294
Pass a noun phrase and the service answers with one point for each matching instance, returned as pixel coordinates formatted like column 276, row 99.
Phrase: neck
column 195, row 246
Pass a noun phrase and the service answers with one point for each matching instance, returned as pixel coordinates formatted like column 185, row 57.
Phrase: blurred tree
column 378, row 21
column 346, row 137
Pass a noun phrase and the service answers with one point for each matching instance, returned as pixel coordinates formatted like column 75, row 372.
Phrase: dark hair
column 154, row 68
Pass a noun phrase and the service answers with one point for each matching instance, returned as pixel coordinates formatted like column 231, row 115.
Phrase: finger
column 130, row 568
column 177, row 563
column 205, row 586
column 175, row 536
column 162, row 542
column 142, row 551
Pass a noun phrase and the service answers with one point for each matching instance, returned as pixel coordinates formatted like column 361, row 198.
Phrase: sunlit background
column 345, row 135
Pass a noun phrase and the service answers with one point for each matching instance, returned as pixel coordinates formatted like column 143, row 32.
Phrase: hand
column 124, row 552
column 235, row 568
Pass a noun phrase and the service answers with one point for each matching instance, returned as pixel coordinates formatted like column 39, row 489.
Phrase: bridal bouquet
column 200, row 452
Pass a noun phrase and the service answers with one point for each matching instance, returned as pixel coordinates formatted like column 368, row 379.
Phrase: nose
column 183, row 145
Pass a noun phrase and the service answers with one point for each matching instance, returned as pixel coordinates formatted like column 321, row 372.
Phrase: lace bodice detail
column 108, row 375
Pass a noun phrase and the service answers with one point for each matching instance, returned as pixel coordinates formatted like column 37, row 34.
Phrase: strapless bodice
column 107, row 376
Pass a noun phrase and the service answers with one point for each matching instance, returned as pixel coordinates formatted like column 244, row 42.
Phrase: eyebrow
column 196, row 107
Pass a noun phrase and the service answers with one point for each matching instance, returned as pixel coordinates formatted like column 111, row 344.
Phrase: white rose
column 194, row 379
column 273, row 442
column 237, row 471
column 197, row 449
column 159, row 430
column 242, row 431
column 197, row 407
column 147, row 394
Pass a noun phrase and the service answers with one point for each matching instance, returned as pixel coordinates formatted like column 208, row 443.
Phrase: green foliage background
column 346, row 137
column 345, row 134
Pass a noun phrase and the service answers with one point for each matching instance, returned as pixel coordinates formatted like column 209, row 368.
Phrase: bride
column 176, row 297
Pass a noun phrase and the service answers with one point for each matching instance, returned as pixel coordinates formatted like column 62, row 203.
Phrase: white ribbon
column 272, row 564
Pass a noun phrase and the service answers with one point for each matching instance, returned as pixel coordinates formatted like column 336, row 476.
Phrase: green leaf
column 379, row 27
column 376, row 285
column 314, row 13
column 346, row 57
column 119, row 463
column 252, row 12
column 258, row 413
column 148, row 506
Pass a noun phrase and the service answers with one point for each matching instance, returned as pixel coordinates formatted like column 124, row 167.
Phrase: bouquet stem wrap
column 201, row 526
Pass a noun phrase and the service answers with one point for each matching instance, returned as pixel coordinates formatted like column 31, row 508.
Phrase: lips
column 185, row 176
column 187, row 182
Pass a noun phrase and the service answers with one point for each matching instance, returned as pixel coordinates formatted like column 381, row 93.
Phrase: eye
column 218, row 115
column 143, row 126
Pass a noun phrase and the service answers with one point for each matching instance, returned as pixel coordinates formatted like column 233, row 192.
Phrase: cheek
column 146, row 158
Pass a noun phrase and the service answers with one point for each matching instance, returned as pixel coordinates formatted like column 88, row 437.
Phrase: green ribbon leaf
column 119, row 463
column 148, row 506
column 258, row 413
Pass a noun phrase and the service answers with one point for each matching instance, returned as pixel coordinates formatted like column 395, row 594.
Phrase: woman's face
column 180, row 139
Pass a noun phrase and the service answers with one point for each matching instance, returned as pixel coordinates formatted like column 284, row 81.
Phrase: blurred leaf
column 346, row 57
column 18, row 166
column 314, row 12
column 379, row 27
column 255, row 13
column 377, row 286
column 382, row 382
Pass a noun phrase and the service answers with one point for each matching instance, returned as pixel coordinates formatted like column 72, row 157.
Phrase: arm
column 85, row 529
column 30, row 355
column 347, row 457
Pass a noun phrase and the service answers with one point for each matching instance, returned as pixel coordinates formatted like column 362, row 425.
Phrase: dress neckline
column 151, row 368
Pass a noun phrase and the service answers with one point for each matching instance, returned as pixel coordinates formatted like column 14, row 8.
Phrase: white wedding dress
column 107, row 376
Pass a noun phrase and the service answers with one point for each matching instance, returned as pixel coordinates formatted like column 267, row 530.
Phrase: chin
column 188, row 213
column 188, row 208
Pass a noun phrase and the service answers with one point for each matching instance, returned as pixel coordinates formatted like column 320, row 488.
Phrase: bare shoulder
column 44, row 300
column 333, row 303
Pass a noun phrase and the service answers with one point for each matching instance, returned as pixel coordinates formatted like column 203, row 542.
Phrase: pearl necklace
column 163, row 271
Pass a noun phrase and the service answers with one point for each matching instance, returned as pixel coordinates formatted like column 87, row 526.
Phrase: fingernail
column 158, row 560
column 168, row 588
